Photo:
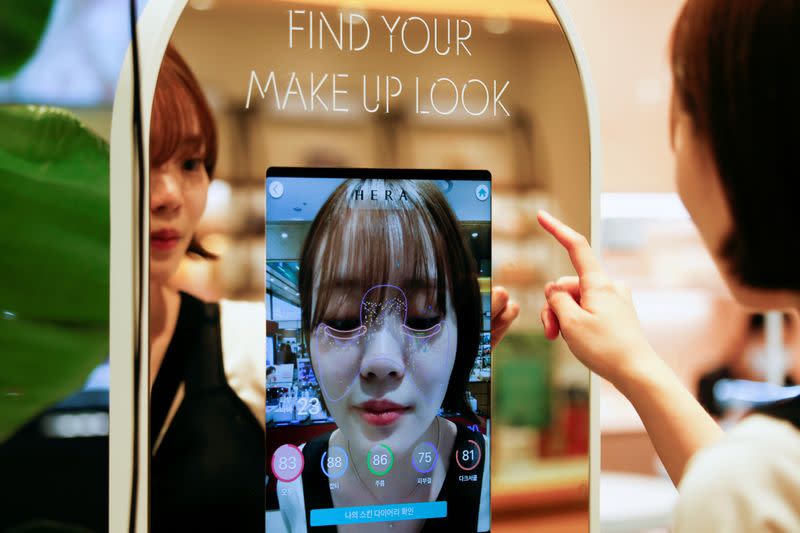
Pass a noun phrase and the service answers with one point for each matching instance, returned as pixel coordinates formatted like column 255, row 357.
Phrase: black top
column 463, row 497
column 208, row 471
column 788, row 410
column 705, row 389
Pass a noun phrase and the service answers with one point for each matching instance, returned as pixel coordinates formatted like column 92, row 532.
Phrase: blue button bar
column 377, row 513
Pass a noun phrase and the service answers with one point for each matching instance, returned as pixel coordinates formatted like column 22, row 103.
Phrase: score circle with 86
column 380, row 460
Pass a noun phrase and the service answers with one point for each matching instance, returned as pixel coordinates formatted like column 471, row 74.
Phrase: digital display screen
column 378, row 298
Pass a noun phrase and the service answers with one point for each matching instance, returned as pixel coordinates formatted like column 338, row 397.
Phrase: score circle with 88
column 287, row 463
column 334, row 462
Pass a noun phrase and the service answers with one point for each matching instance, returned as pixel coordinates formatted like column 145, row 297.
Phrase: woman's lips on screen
column 164, row 239
column 381, row 412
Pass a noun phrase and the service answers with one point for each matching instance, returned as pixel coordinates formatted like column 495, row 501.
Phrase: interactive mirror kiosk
column 331, row 198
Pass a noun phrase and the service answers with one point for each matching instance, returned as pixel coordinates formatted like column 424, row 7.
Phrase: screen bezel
column 412, row 174
column 432, row 174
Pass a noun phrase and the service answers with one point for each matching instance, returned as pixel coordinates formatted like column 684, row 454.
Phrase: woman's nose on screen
column 383, row 355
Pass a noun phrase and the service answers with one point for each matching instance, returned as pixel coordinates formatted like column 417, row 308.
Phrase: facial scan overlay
column 378, row 357
column 418, row 345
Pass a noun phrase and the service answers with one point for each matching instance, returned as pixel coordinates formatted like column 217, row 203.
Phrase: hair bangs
column 182, row 124
column 403, row 233
column 380, row 242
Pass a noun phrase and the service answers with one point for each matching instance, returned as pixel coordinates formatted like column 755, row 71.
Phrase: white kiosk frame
column 155, row 27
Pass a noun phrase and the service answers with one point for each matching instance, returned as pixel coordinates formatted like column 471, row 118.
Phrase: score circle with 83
column 287, row 463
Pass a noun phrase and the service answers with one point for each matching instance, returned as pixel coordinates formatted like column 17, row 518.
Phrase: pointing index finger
column 580, row 253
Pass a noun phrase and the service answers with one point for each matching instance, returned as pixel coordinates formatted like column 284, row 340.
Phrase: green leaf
column 54, row 241
column 43, row 363
column 21, row 26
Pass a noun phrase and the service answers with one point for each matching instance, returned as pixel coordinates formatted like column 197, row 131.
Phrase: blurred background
column 539, row 157
column 650, row 243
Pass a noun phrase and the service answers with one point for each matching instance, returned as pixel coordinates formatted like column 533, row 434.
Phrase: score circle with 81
column 468, row 455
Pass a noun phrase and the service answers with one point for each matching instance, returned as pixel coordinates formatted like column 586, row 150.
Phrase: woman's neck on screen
column 402, row 480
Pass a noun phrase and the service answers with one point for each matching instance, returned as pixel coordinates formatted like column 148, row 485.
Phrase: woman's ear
column 672, row 119
column 681, row 125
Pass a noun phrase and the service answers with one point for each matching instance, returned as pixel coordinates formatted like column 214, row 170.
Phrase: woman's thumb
column 563, row 305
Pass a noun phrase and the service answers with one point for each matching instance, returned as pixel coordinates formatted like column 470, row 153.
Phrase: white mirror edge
column 155, row 27
column 582, row 63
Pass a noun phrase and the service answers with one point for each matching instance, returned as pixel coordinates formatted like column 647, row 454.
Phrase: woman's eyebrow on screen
column 407, row 285
column 341, row 283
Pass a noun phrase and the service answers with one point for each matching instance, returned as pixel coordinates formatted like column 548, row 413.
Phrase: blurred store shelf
column 541, row 485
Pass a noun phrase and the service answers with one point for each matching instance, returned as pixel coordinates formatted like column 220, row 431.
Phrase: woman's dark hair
column 405, row 234
column 179, row 108
column 736, row 72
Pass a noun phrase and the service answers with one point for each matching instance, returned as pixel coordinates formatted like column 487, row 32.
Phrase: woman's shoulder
column 464, row 432
column 242, row 326
column 321, row 440
column 762, row 440
column 748, row 481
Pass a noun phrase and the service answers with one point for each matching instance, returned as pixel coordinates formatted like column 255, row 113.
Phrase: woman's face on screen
column 383, row 357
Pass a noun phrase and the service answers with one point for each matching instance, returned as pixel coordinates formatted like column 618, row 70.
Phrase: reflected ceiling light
column 66, row 426
column 219, row 197
column 201, row 5
column 497, row 25
column 356, row 9
column 645, row 206
column 284, row 235
column 475, row 235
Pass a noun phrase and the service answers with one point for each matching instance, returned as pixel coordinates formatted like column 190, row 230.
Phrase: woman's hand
column 597, row 319
column 594, row 315
column 503, row 314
